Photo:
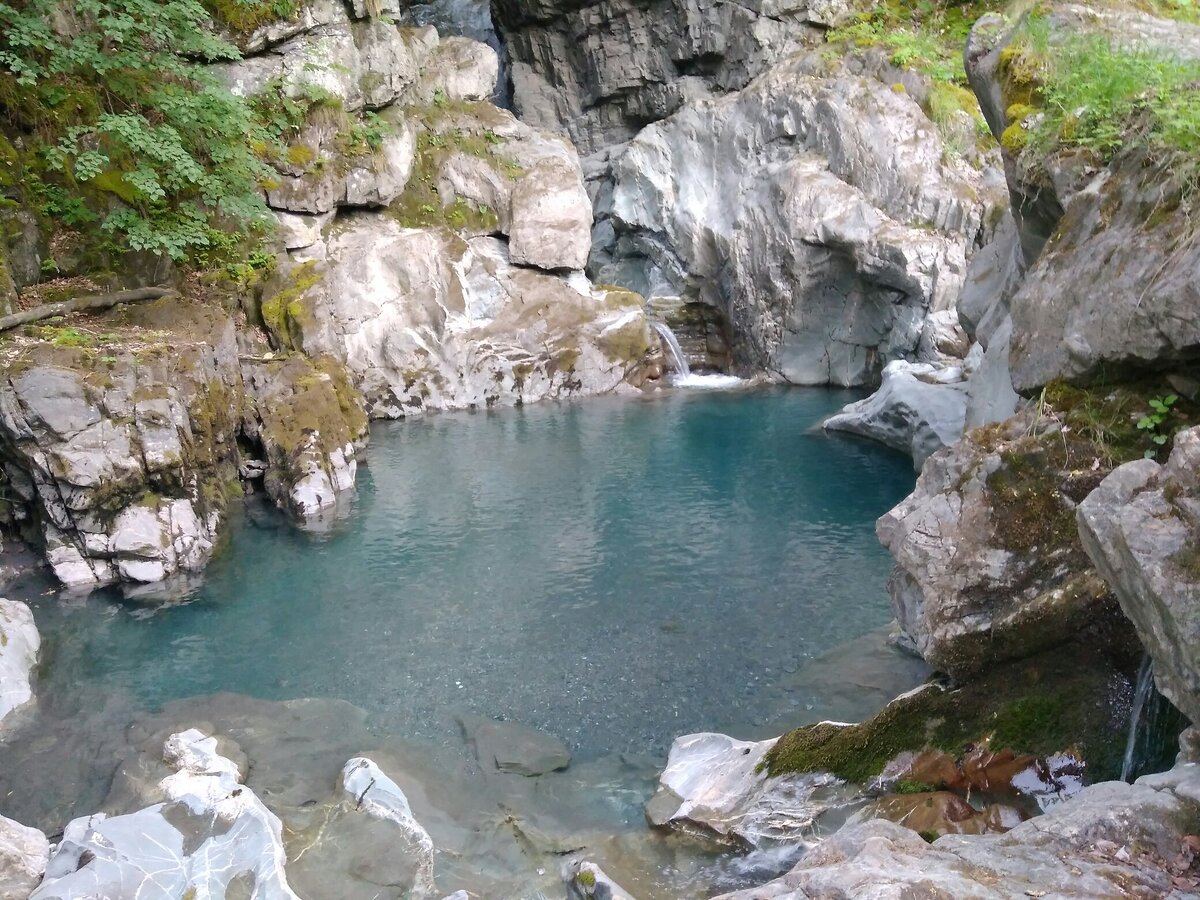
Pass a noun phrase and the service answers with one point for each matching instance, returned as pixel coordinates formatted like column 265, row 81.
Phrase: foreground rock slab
column 1112, row 840
column 23, row 855
column 713, row 785
column 210, row 837
column 19, row 643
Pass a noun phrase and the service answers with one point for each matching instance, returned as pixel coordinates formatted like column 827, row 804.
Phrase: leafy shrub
column 112, row 101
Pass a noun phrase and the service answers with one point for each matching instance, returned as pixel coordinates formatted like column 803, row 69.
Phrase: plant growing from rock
column 1154, row 421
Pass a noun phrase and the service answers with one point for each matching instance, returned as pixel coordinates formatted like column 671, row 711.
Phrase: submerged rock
column 1141, row 528
column 19, row 644
column 210, row 836
column 509, row 747
column 23, row 855
column 717, row 786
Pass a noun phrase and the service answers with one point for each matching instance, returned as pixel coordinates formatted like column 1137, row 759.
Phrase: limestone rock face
column 211, row 836
column 988, row 564
column 910, row 414
column 712, row 786
column 601, row 71
column 123, row 459
column 1141, row 528
column 426, row 320
column 1097, row 284
column 19, row 644
column 23, row 855
column 119, row 465
column 817, row 212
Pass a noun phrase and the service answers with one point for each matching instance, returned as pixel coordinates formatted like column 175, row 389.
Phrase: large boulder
column 309, row 423
column 119, row 455
column 425, row 320
column 820, row 213
column 19, row 644
column 909, row 413
column 208, row 836
column 1098, row 285
column 1141, row 528
column 989, row 566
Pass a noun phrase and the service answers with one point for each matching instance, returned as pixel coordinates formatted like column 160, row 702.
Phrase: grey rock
column 23, row 855
column 309, row 423
column 1141, row 528
column 816, row 212
column 210, row 836
column 513, row 748
column 551, row 218
column 424, row 320
column 19, row 645
column 458, row 68
column 1092, row 285
column 600, row 72
column 712, row 786
column 906, row 413
column 990, row 395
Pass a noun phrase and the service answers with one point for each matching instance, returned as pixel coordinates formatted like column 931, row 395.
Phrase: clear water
column 616, row 572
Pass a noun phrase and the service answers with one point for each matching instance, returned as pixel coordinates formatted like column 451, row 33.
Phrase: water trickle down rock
column 1141, row 529
column 211, row 836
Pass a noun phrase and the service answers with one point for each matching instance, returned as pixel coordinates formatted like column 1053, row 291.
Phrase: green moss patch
column 1048, row 704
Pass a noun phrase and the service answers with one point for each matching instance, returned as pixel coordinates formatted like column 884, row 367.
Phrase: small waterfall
column 1141, row 698
column 681, row 364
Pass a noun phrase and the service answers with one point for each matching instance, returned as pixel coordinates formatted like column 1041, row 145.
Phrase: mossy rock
column 1060, row 700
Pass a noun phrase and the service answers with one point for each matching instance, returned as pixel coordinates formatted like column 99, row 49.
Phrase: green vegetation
column 927, row 36
column 1093, row 95
column 1155, row 420
column 109, row 101
column 421, row 205
column 244, row 16
column 586, row 878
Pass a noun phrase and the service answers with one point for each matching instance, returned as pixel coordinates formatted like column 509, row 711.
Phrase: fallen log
column 79, row 304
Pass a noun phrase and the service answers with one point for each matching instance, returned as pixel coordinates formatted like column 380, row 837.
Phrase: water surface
column 617, row 572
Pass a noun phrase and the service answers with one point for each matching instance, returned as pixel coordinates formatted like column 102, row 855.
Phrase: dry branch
column 79, row 304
